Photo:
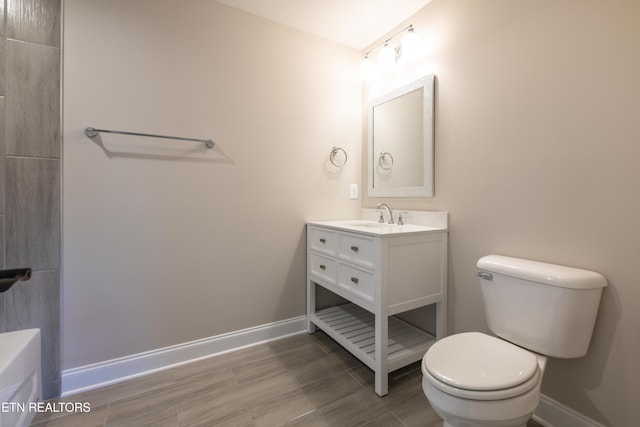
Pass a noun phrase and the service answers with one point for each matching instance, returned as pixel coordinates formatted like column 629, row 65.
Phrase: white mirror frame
column 427, row 189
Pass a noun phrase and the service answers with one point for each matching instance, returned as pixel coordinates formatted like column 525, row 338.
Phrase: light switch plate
column 353, row 191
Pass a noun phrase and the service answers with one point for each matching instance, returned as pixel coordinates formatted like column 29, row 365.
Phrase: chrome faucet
column 388, row 209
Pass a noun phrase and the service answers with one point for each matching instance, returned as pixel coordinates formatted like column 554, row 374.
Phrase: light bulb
column 410, row 45
column 367, row 69
column 387, row 57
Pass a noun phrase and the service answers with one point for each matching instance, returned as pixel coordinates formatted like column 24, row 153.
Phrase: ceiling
column 354, row 23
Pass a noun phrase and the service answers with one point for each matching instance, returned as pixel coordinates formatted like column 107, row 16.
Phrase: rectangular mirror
column 400, row 155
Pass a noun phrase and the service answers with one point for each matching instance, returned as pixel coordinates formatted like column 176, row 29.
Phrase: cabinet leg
column 441, row 320
column 382, row 383
column 311, row 305
column 311, row 327
column 381, row 349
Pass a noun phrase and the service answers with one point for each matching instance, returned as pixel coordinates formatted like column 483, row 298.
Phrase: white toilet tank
column 547, row 308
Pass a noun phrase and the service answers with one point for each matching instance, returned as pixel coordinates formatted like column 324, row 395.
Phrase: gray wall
column 536, row 144
column 166, row 242
column 30, row 173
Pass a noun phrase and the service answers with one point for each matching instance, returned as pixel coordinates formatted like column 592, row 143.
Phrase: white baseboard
column 100, row 374
column 551, row 413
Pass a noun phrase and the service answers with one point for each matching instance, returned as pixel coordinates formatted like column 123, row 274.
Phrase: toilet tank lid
column 542, row 272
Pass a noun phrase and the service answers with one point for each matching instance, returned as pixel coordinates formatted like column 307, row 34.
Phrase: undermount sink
column 373, row 227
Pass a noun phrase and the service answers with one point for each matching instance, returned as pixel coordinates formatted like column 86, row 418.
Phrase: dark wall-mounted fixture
column 9, row 277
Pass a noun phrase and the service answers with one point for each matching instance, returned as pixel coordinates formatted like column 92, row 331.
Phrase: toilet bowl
column 537, row 310
column 496, row 384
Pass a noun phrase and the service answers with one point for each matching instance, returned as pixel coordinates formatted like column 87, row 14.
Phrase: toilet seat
column 477, row 366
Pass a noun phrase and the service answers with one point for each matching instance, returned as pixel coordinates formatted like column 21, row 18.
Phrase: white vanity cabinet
column 381, row 272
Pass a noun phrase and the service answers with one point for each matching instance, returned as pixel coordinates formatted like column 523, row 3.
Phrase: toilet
column 537, row 310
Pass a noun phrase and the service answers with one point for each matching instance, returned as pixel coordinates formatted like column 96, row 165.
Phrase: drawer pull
column 355, row 280
column 323, row 267
column 354, row 248
column 323, row 240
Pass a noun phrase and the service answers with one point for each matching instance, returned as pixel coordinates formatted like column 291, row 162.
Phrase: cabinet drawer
column 357, row 249
column 322, row 267
column 323, row 240
column 357, row 282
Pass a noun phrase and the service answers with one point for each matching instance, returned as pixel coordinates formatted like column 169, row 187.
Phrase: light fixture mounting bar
column 407, row 28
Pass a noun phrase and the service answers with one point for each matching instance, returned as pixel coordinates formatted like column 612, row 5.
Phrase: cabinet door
column 358, row 249
column 357, row 282
column 323, row 240
column 322, row 267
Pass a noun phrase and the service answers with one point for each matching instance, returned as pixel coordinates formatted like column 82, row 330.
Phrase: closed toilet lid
column 476, row 361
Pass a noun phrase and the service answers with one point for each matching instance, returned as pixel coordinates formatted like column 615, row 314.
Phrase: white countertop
column 375, row 228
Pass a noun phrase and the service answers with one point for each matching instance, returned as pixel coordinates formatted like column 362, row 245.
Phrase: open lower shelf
column 354, row 328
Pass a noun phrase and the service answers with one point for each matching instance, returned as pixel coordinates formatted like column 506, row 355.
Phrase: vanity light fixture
column 410, row 44
column 367, row 69
column 389, row 54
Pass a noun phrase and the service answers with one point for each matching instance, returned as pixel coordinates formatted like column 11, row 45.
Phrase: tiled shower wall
column 30, row 173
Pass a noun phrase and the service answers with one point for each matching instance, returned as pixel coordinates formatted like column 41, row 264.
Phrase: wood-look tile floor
column 302, row 380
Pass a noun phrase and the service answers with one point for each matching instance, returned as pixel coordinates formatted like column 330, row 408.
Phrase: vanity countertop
column 375, row 228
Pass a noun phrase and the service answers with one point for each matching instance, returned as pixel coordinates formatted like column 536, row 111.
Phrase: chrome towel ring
column 381, row 160
column 334, row 153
